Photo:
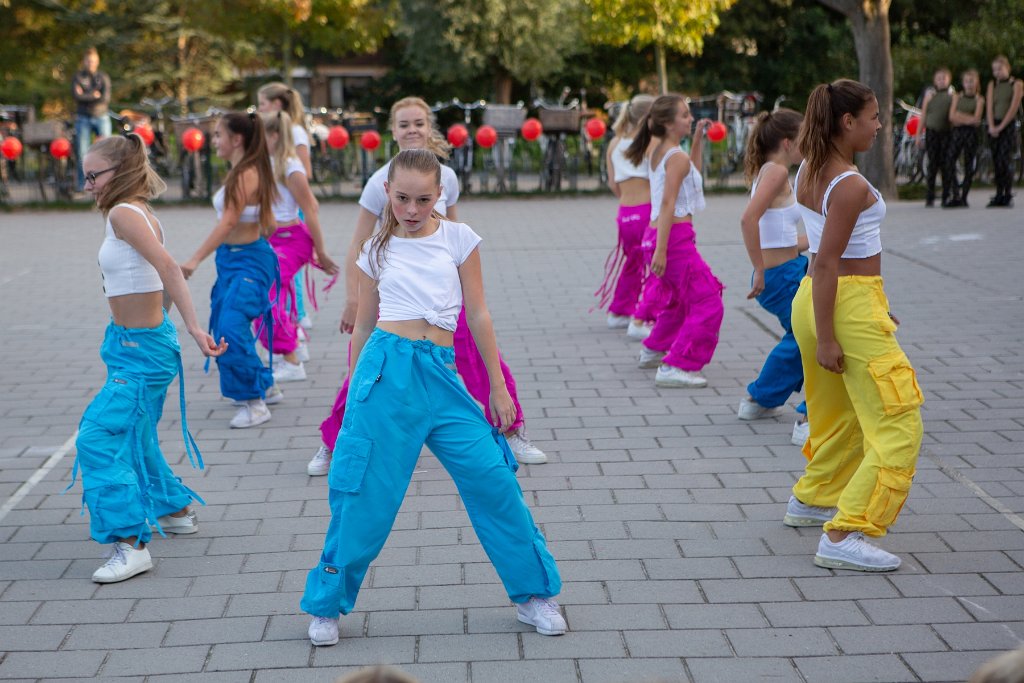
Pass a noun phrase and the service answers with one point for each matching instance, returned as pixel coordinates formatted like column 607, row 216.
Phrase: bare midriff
column 138, row 311
column 243, row 233
column 778, row 256
column 634, row 192
column 418, row 330
column 867, row 267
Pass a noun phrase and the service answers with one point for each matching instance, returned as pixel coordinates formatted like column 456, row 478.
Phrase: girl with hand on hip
column 127, row 483
column 415, row 274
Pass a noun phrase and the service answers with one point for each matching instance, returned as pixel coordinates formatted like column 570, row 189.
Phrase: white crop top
column 286, row 209
column 777, row 226
column 418, row 277
column 374, row 197
column 690, row 199
column 250, row 214
column 624, row 169
column 866, row 239
column 124, row 270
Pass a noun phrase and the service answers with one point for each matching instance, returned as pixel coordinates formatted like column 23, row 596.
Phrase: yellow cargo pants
column 865, row 423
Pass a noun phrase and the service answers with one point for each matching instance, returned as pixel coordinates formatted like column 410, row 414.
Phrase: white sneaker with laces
column 320, row 464
column 186, row 524
column 618, row 322
column 752, row 410
column 649, row 358
column 801, row 432
column 323, row 631
column 526, row 453
column 799, row 515
column 289, row 372
column 855, row 553
column 544, row 614
column 125, row 561
column 638, row 332
column 671, row 377
column 250, row 414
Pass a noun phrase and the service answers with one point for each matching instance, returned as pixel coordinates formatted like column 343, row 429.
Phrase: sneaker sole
column 248, row 426
column 542, row 631
column 317, row 473
column 138, row 570
column 798, row 522
column 325, row 643
column 528, row 460
column 181, row 530
column 830, row 563
column 282, row 380
column 677, row 385
column 767, row 412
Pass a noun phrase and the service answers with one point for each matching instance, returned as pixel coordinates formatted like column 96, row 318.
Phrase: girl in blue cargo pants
column 404, row 394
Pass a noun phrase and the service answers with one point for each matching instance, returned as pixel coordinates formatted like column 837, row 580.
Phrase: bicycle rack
column 506, row 120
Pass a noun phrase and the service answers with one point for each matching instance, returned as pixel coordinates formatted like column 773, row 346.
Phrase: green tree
column 679, row 25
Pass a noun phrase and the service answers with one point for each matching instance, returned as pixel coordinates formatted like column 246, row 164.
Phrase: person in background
column 966, row 114
column 1002, row 105
column 90, row 88
column 933, row 134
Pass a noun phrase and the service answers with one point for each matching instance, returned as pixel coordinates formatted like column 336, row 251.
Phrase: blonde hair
column 421, row 161
column 290, row 99
column 280, row 123
column 377, row 674
column 134, row 179
column 436, row 143
column 827, row 105
column 632, row 114
column 1006, row 668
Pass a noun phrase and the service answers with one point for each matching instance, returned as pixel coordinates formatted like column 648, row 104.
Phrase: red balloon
column 193, row 139
column 370, row 140
column 337, row 137
column 912, row 124
column 146, row 133
column 486, row 136
column 531, row 129
column 717, row 131
column 60, row 148
column 457, row 135
column 11, row 148
column 596, row 129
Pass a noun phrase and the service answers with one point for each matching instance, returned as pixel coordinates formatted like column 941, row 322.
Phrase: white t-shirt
column 286, row 209
column 418, row 277
column 300, row 136
column 374, row 197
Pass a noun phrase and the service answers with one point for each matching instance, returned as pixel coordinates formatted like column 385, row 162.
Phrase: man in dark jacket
column 91, row 90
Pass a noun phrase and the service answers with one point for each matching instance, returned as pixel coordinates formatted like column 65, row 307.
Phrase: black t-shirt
column 84, row 88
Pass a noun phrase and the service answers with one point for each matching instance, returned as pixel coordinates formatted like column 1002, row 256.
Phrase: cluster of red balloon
column 338, row 137
column 11, row 148
column 487, row 136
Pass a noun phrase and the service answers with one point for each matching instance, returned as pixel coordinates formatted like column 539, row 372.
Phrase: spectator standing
column 91, row 89
column 966, row 115
column 933, row 134
column 1001, row 108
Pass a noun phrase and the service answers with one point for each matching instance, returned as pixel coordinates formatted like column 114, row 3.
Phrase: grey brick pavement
column 662, row 508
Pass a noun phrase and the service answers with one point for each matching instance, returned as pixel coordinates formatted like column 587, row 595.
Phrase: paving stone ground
column 662, row 508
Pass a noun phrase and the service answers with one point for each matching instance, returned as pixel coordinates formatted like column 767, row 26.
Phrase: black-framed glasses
column 91, row 176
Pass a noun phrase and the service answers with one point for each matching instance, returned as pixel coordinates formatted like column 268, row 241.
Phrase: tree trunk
column 181, row 87
column 659, row 58
column 286, row 55
column 502, row 87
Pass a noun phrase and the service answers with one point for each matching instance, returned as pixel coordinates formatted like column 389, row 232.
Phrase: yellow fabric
column 865, row 423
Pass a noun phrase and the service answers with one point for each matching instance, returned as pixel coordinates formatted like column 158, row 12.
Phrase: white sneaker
column 674, row 378
column 801, row 432
column 320, row 464
column 752, row 410
column 187, row 524
column 125, row 562
column 323, row 631
column 618, row 322
column 544, row 613
column 650, row 359
column 274, row 396
column 798, row 514
column 638, row 332
column 300, row 333
column 252, row 413
column 853, row 552
column 306, row 322
column 526, row 453
column 289, row 372
column 302, row 351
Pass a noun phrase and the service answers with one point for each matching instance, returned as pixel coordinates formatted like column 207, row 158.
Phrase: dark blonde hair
column 280, row 123
column 632, row 114
column 377, row 674
column 436, row 143
column 827, row 105
column 420, row 161
column 290, row 99
column 770, row 129
column 662, row 111
column 134, row 179
column 256, row 156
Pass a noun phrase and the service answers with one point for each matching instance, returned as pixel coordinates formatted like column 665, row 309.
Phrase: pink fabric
column 649, row 304
column 294, row 248
column 624, row 267
column 468, row 363
column 687, row 327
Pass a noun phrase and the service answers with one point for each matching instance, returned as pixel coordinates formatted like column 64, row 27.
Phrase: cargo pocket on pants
column 348, row 467
column 116, row 406
column 896, row 382
column 891, row 490
column 367, row 374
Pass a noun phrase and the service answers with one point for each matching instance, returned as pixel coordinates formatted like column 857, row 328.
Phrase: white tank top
column 866, row 239
column 286, row 209
column 124, row 270
column 250, row 214
column 777, row 226
column 690, row 199
column 622, row 168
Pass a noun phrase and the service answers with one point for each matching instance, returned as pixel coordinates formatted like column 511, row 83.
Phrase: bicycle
column 159, row 151
column 461, row 160
column 908, row 159
column 558, row 120
column 506, row 119
column 196, row 166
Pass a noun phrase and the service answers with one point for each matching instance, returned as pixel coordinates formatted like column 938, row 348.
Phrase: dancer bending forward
column 415, row 274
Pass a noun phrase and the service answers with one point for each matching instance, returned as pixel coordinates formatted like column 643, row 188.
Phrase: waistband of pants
column 856, row 280
column 635, row 207
column 797, row 260
column 379, row 336
column 291, row 225
column 258, row 245
column 162, row 328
